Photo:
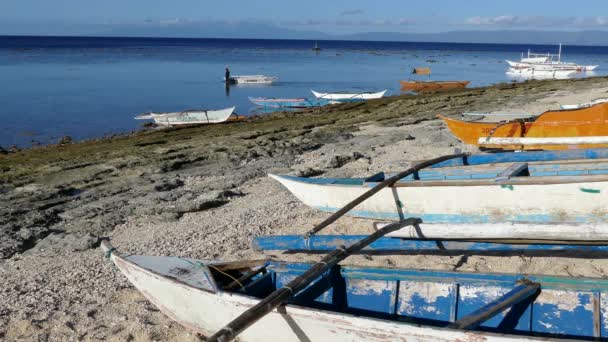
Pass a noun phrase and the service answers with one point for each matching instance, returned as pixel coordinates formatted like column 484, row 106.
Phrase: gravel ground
column 56, row 286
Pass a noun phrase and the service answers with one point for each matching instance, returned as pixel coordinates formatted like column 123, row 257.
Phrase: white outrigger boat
column 548, row 62
column 189, row 117
column 252, row 79
column 349, row 96
column 536, row 74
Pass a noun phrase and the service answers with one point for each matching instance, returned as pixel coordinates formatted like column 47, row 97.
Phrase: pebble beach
column 203, row 192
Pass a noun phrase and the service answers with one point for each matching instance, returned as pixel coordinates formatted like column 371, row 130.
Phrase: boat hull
column 576, row 123
column 190, row 117
column 186, row 291
column 431, row 86
column 543, row 200
column 348, row 96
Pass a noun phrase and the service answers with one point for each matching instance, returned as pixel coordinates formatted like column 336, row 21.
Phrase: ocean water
column 90, row 87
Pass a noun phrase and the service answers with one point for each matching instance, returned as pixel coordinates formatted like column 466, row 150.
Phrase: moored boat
column 253, row 79
column 191, row 117
column 290, row 103
column 568, row 192
column 346, row 96
column 369, row 304
column 585, row 127
column 547, row 62
column 432, row 86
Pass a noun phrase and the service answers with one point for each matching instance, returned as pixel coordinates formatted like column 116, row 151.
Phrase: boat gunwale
column 538, row 180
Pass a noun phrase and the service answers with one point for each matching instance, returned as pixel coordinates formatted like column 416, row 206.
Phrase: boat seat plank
column 511, row 171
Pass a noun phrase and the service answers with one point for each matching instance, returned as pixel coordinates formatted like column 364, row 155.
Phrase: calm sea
column 90, row 87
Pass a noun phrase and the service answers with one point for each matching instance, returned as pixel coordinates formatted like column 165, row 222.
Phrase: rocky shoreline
column 202, row 192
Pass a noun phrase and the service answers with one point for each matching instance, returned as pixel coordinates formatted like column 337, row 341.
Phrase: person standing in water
column 227, row 75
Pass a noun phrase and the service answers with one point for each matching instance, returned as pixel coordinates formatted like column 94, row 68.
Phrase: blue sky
column 333, row 17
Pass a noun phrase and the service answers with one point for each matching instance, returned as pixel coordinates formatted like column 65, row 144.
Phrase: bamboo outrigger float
column 579, row 128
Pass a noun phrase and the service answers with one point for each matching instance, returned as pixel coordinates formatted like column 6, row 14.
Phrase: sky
column 82, row 17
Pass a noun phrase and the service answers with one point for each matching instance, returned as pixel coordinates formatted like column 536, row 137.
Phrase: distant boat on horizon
column 316, row 47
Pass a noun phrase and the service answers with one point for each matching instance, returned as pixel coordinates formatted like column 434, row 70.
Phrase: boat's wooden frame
column 370, row 304
column 581, row 123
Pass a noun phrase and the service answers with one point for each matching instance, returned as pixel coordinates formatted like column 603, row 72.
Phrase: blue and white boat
column 349, row 303
column 514, row 188
column 291, row 102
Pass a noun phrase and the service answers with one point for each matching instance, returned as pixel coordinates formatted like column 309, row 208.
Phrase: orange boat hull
column 424, row 86
column 585, row 122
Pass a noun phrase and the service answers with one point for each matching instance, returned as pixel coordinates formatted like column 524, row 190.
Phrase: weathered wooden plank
column 321, row 243
column 532, row 156
column 517, row 295
column 592, row 232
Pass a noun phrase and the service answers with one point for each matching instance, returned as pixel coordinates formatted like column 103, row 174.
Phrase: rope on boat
column 229, row 276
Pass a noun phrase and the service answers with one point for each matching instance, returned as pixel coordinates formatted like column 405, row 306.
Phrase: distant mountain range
column 502, row 37
column 257, row 30
column 245, row 29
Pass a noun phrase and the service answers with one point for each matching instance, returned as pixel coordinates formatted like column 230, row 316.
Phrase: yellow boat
column 552, row 130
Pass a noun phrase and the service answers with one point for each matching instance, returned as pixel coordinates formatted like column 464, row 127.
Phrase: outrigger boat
column 348, row 303
column 291, row 103
column 585, row 127
column 523, row 192
column 191, row 117
column 345, row 96
column 252, row 79
column 428, row 85
column 548, row 62
column 313, row 302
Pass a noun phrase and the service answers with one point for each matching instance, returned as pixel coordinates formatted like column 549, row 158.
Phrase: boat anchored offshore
column 253, row 79
column 547, row 62
column 350, row 303
column 191, row 117
column 585, row 127
column 428, row 85
column 346, row 96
